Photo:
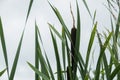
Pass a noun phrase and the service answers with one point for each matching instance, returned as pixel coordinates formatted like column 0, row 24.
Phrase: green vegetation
column 74, row 67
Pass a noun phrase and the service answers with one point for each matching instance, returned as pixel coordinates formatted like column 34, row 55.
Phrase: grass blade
column 56, row 32
column 87, row 8
column 94, row 17
column 63, row 49
column 1, row 73
column 48, row 63
column 44, row 68
column 117, row 27
column 14, row 66
column 97, row 74
column 59, row 74
column 69, row 70
column 50, row 69
column 77, row 45
column 61, row 20
column 36, row 52
column 38, row 72
column 105, row 58
column 4, row 46
column 115, row 71
column 63, row 42
column 90, row 47
column 115, row 48
column 29, row 9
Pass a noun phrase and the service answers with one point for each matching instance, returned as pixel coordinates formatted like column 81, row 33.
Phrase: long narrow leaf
column 38, row 72
column 63, row 49
column 97, row 74
column 116, row 70
column 44, row 68
column 68, row 59
column 87, row 8
column 90, row 46
column 29, row 9
column 94, row 17
column 59, row 74
column 36, row 52
column 117, row 27
column 61, row 20
column 14, row 66
column 1, row 73
column 77, row 45
column 47, row 61
column 50, row 69
column 104, row 57
column 4, row 46
column 49, row 66
column 57, row 33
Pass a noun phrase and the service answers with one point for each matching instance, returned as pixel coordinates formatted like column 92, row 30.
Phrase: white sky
column 13, row 14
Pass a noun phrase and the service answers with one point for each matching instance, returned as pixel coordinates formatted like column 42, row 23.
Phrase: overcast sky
column 13, row 14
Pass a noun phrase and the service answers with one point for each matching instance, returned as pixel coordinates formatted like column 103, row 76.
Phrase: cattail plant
column 105, row 69
column 73, row 42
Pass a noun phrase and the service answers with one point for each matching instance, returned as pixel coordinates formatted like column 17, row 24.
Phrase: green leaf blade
column 87, row 8
column 38, row 72
column 14, row 66
column 2, row 72
column 4, row 46
column 115, row 71
column 29, row 9
column 90, row 46
column 102, row 51
column 61, row 20
column 59, row 75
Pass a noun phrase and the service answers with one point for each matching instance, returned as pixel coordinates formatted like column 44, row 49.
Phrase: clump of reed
column 74, row 67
